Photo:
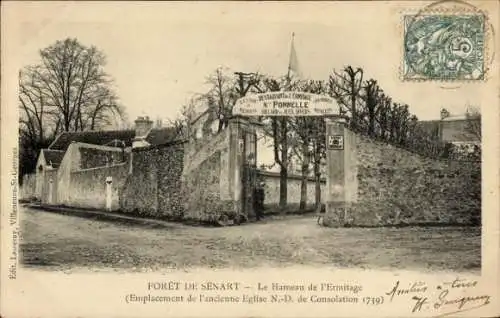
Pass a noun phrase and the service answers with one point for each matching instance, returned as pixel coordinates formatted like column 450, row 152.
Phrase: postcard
column 250, row 159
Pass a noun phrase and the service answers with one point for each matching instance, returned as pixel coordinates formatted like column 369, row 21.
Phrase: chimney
column 444, row 113
column 159, row 123
column 142, row 126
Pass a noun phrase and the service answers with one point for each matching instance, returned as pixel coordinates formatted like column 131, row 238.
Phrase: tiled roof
column 53, row 157
column 104, row 137
column 156, row 136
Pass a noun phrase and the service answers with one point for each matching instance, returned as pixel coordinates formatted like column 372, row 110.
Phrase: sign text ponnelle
column 286, row 104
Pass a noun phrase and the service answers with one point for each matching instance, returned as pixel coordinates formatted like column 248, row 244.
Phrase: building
column 75, row 151
column 210, row 177
column 201, row 174
column 461, row 130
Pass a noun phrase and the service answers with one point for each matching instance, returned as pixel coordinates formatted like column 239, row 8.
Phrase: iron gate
column 249, row 173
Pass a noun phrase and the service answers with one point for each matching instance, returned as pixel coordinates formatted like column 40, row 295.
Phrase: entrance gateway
column 340, row 142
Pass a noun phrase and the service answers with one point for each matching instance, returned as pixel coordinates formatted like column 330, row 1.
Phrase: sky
column 159, row 53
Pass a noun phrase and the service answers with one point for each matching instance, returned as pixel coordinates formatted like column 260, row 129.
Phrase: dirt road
column 55, row 241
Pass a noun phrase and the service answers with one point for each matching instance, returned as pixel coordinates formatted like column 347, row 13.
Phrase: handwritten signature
column 419, row 292
column 443, row 301
column 415, row 287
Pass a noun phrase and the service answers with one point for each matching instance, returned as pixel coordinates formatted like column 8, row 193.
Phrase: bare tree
column 372, row 97
column 279, row 130
column 300, row 145
column 32, row 104
column 308, row 136
column 225, row 89
column 383, row 118
column 74, row 85
column 346, row 87
column 67, row 91
column 318, row 156
column 183, row 123
column 222, row 95
column 102, row 111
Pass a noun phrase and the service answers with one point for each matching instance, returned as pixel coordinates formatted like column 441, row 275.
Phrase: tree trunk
column 305, row 173
column 303, row 192
column 371, row 126
column 284, row 167
column 283, row 189
column 354, row 118
column 221, row 125
column 317, row 177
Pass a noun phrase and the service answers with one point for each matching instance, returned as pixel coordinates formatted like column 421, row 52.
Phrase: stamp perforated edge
column 461, row 10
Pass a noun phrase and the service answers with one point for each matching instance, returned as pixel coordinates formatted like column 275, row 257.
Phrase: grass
column 56, row 241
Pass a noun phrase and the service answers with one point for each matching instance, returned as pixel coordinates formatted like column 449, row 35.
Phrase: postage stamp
column 193, row 160
column 444, row 47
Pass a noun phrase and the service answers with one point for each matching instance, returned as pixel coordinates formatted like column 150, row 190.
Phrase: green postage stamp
column 444, row 47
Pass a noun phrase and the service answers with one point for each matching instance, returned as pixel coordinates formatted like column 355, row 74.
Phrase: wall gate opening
column 341, row 186
column 249, row 172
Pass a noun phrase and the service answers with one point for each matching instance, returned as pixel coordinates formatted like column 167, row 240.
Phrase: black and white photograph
column 155, row 138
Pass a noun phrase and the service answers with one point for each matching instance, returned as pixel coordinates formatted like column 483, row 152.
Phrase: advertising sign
column 286, row 104
column 336, row 142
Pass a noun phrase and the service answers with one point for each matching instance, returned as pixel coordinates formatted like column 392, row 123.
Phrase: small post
column 51, row 191
column 109, row 189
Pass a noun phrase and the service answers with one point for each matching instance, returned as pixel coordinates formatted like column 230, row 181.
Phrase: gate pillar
column 234, row 166
column 242, row 165
column 341, row 181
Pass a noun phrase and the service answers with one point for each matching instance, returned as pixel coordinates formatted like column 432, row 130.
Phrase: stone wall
column 203, row 186
column 87, row 188
column 154, row 187
column 178, row 181
column 170, row 191
column 397, row 187
column 272, row 188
